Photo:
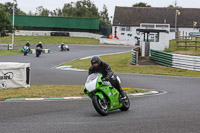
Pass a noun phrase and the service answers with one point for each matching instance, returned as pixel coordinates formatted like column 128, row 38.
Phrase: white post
column 175, row 21
column 177, row 13
column 13, row 34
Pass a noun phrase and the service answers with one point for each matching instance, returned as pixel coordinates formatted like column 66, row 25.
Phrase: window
column 123, row 29
column 172, row 29
column 152, row 37
column 128, row 28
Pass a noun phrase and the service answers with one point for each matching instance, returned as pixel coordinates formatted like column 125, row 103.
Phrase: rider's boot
column 122, row 93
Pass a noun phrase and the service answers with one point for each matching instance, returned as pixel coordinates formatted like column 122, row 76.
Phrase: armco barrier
column 162, row 58
column 176, row 60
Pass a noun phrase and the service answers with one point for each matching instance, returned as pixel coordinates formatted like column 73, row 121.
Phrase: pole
column 13, row 26
column 175, row 24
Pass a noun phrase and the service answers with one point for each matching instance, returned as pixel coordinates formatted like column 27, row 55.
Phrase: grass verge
column 46, row 91
column 21, row 40
column 122, row 63
column 10, row 52
column 182, row 50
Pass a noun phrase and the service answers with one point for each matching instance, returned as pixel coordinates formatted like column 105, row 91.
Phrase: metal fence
column 176, row 60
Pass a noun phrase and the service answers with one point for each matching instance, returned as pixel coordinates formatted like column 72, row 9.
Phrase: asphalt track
column 175, row 111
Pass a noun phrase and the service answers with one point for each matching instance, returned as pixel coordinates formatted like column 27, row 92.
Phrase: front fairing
column 93, row 82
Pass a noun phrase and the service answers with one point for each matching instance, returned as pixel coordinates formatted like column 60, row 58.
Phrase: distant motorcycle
column 26, row 50
column 38, row 51
column 65, row 48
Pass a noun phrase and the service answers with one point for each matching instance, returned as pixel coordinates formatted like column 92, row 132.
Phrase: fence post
column 195, row 43
column 185, row 44
column 177, row 41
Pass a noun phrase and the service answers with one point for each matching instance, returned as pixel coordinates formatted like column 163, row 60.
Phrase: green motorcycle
column 104, row 96
column 26, row 50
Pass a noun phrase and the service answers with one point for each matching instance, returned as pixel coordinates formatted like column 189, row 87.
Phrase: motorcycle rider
column 40, row 45
column 62, row 46
column 28, row 45
column 99, row 66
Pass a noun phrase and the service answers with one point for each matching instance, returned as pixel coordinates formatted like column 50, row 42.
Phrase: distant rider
column 62, row 46
column 99, row 66
column 40, row 45
column 28, row 45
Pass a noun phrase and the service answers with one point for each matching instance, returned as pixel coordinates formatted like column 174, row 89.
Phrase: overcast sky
column 30, row 5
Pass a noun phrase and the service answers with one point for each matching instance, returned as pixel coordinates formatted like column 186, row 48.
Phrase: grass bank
column 122, row 63
column 21, row 40
column 46, row 91
column 182, row 50
column 10, row 52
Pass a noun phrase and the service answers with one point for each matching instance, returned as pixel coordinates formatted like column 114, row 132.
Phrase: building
column 128, row 19
column 153, row 36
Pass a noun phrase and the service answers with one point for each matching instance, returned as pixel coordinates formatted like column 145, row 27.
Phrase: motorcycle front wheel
column 126, row 104
column 101, row 106
column 25, row 53
column 37, row 54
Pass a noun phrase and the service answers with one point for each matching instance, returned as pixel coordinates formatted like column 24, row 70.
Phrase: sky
column 30, row 5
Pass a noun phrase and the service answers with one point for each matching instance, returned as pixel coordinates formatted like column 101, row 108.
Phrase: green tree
column 82, row 8
column 41, row 11
column 30, row 13
column 5, row 23
column 9, row 8
column 57, row 12
column 172, row 6
column 104, row 18
column 68, row 10
column 141, row 4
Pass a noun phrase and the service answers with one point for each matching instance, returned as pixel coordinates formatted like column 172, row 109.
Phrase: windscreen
column 91, row 82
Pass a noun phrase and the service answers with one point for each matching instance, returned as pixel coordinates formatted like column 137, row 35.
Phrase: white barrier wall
column 85, row 34
column 14, row 75
column 3, row 46
column 116, row 41
column 48, row 33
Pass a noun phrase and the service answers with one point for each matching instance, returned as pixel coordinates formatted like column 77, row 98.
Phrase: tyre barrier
column 44, row 51
column 133, row 57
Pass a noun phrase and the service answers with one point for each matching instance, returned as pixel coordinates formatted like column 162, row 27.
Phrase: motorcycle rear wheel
column 101, row 106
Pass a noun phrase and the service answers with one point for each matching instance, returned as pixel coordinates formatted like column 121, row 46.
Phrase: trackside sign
column 14, row 75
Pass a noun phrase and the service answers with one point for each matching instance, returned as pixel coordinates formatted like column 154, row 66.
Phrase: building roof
column 133, row 16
